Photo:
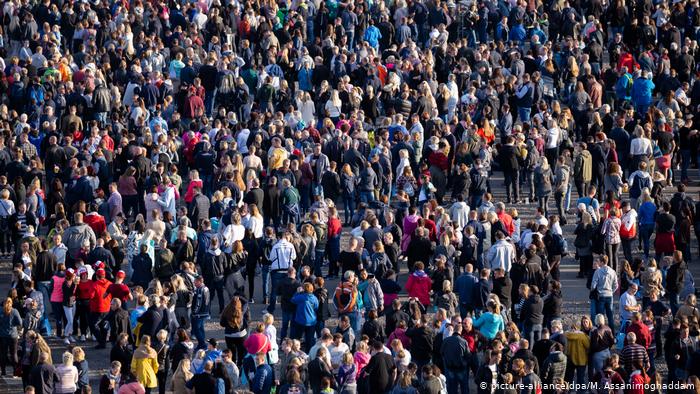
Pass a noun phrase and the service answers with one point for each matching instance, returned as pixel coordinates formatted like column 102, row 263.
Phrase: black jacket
column 151, row 322
column 483, row 379
column 455, row 352
column 286, row 290
column 421, row 342
column 43, row 377
column 532, row 310
column 199, row 209
column 502, row 287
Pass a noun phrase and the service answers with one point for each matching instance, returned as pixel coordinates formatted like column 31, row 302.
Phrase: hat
column 27, row 302
column 101, row 273
column 121, row 274
column 212, row 342
column 82, row 270
column 70, row 272
column 99, row 265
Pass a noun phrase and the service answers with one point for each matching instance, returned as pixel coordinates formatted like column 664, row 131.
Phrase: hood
column 215, row 252
column 556, row 356
column 144, row 352
column 419, row 274
column 586, row 154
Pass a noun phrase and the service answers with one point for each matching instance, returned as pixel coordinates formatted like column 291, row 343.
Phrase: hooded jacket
column 213, row 265
column 307, row 305
column 144, row 365
column 372, row 294
column 418, row 286
column 554, row 367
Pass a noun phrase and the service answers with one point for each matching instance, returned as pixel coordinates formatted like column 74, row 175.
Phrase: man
column 525, row 93
column 347, row 332
column 640, row 330
column 203, row 381
column 282, row 255
column 628, row 304
column 502, row 254
column 99, row 304
column 464, row 287
column 396, row 315
column 199, row 207
column 510, row 164
column 502, row 287
column 554, row 366
column 633, row 352
column 116, row 321
column 604, row 283
column 200, row 311
column 675, row 279
column 43, row 376
column 455, row 355
column 488, row 376
column 151, row 319
column 346, row 298
column 381, row 369
column 75, row 236
column 422, row 338
column 561, row 186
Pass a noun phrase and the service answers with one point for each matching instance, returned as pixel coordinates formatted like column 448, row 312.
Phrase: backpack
column 558, row 244
column 640, row 182
column 345, row 297
column 628, row 233
column 598, row 240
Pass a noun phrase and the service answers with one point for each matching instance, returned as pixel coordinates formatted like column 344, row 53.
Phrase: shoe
column 252, row 301
column 92, row 338
column 66, row 341
column 72, row 339
column 81, row 338
column 264, row 300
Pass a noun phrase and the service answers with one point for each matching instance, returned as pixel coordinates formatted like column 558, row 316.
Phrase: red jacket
column 96, row 223
column 418, row 286
column 642, row 332
column 99, row 303
column 334, row 227
column 507, row 221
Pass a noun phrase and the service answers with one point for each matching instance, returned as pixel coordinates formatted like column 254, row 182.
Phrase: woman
column 7, row 209
column 419, row 284
column 552, row 303
column 602, row 339
column 83, row 367
column 333, row 106
column 182, row 349
column 67, row 376
column 10, row 323
column 611, row 232
column 491, row 322
column 182, row 375
column 122, row 352
column 407, row 182
column 144, row 365
column 133, row 241
column 543, row 184
column 183, row 300
column 613, row 180
column 109, row 382
column 161, row 347
column 584, row 235
column 305, row 316
column 234, row 320
column 348, row 182
column 69, row 287
column 688, row 310
column 126, row 186
column 308, row 236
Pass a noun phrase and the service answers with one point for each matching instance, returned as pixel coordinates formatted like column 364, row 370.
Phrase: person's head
column 68, row 359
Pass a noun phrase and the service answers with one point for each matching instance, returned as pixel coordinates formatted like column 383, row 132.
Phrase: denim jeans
column 512, row 185
column 598, row 360
column 685, row 163
column 333, row 249
column 198, row 332
column 673, row 301
column 645, row 232
column 604, row 305
column 457, row 381
column 276, row 277
column 287, row 319
column 366, row 196
column 265, row 272
column 349, row 206
column 318, row 262
column 57, row 308
column 533, row 333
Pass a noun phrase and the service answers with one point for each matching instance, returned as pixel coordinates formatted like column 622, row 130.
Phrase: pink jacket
column 57, row 291
column 418, row 286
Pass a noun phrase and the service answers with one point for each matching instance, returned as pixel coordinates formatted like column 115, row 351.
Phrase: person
column 456, row 359
column 44, row 376
column 305, row 315
column 235, row 319
column 200, row 311
column 82, row 366
column 144, row 364
column 603, row 285
column 109, row 382
column 67, row 375
column 381, row 370
column 10, row 324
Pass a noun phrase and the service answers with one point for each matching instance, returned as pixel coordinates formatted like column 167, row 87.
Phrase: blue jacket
column 372, row 36
column 647, row 213
column 307, row 304
column 304, row 77
column 623, row 86
column 642, row 91
column 489, row 324
column 517, row 33
column 466, row 283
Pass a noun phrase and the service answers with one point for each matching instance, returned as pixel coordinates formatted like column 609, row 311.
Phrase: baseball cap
column 70, row 272
column 82, row 270
column 121, row 274
column 101, row 273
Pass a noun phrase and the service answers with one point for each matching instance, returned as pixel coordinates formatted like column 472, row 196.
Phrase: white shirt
column 553, row 136
column 282, row 255
column 627, row 300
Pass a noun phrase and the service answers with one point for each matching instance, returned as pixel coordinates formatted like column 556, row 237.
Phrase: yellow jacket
column 144, row 366
column 577, row 347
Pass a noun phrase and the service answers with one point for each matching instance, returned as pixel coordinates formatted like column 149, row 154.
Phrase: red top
column 119, row 290
column 642, row 333
column 98, row 303
column 85, row 290
column 334, row 227
column 96, row 223
column 507, row 221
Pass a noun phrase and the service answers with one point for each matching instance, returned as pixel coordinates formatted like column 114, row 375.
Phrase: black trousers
column 8, row 353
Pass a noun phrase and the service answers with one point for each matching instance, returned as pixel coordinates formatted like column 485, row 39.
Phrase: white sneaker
column 66, row 341
column 72, row 339
column 92, row 338
column 81, row 338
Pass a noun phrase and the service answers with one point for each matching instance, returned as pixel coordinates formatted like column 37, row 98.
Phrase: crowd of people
column 161, row 159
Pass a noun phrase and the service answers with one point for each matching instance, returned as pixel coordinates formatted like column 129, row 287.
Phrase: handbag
column 593, row 295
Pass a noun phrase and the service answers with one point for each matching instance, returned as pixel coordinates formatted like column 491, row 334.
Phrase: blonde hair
column 78, row 354
column 68, row 359
column 268, row 318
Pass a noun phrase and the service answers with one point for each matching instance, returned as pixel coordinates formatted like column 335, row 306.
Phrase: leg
column 265, row 272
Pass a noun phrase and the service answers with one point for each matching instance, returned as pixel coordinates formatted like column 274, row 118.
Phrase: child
column 326, row 386
column 212, row 354
column 271, row 334
column 82, row 365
